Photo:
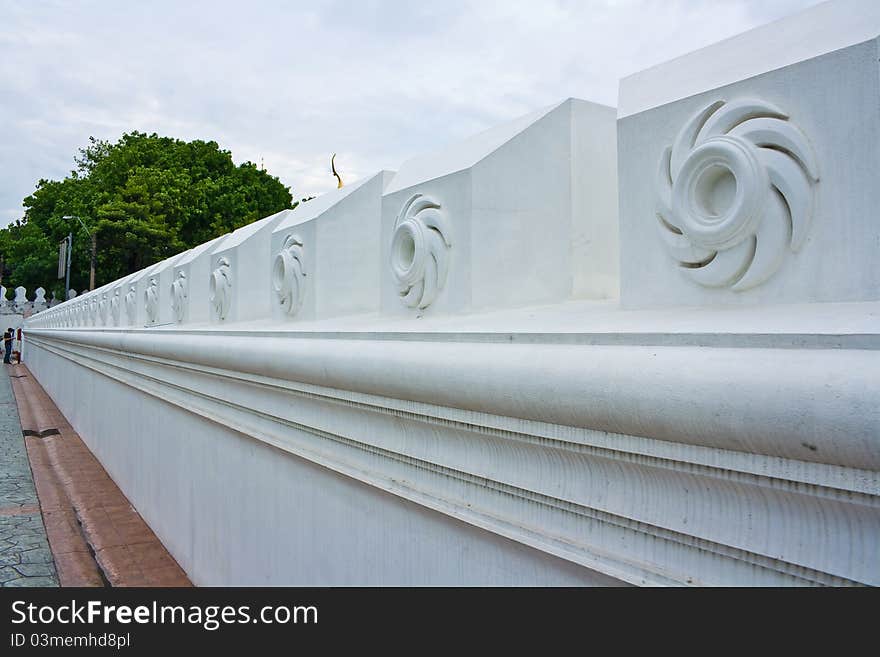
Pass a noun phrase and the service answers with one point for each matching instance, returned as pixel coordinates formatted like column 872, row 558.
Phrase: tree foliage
column 145, row 197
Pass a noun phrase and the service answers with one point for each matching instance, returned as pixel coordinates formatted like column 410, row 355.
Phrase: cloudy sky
column 290, row 82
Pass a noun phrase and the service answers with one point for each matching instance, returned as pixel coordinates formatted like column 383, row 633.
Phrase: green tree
column 146, row 198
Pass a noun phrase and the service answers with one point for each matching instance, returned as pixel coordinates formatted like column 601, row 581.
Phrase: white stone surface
column 195, row 266
column 153, row 283
column 429, row 378
column 491, row 439
column 20, row 299
column 805, row 204
column 527, row 210
column 331, row 267
column 234, row 510
column 241, row 280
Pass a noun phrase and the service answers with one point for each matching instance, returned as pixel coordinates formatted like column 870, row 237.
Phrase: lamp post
column 94, row 248
column 67, row 251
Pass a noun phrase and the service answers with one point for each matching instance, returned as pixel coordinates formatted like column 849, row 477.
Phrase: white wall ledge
column 566, row 474
column 671, row 393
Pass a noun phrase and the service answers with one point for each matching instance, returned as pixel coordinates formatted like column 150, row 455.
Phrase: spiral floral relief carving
column 131, row 304
column 114, row 306
column 151, row 300
column 420, row 247
column 103, row 307
column 289, row 273
column 735, row 192
column 221, row 288
column 178, row 296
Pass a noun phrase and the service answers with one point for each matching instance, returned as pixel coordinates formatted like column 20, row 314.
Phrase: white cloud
column 292, row 82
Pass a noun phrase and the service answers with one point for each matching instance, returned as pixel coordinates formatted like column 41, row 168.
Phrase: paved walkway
column 97, row 538
column 25, row 557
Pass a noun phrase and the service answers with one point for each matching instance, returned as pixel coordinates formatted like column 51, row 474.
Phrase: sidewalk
column 25, row 558
column 97, row 538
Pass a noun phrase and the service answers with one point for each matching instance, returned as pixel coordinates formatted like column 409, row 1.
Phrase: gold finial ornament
column 333, row 168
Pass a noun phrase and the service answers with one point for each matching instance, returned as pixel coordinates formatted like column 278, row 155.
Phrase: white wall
column 236, row 511
column 525, row 425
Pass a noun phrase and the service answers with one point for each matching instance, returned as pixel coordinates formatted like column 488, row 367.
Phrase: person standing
column 7, row 344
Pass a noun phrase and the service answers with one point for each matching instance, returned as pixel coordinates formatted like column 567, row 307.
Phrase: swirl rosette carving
column 221, row 288
column 151, row 300
column 289, row 273
column 131, row 303
column 115, row 306
column 178, row 296
column 420, row 247
column 103, row 307
column 735, row 192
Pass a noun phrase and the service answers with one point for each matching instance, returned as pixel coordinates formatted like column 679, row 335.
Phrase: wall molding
column 493, row 477
column 639, row 391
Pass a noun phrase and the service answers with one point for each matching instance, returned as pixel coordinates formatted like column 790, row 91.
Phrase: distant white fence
column 21, row 303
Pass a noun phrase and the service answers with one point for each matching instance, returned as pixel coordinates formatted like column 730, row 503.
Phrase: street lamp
column 64, row 262
column 94, row 247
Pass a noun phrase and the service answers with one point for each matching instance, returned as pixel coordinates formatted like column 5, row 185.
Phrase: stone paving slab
column 25, row 556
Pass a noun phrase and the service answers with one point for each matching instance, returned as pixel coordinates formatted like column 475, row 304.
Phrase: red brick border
column 97, row 537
